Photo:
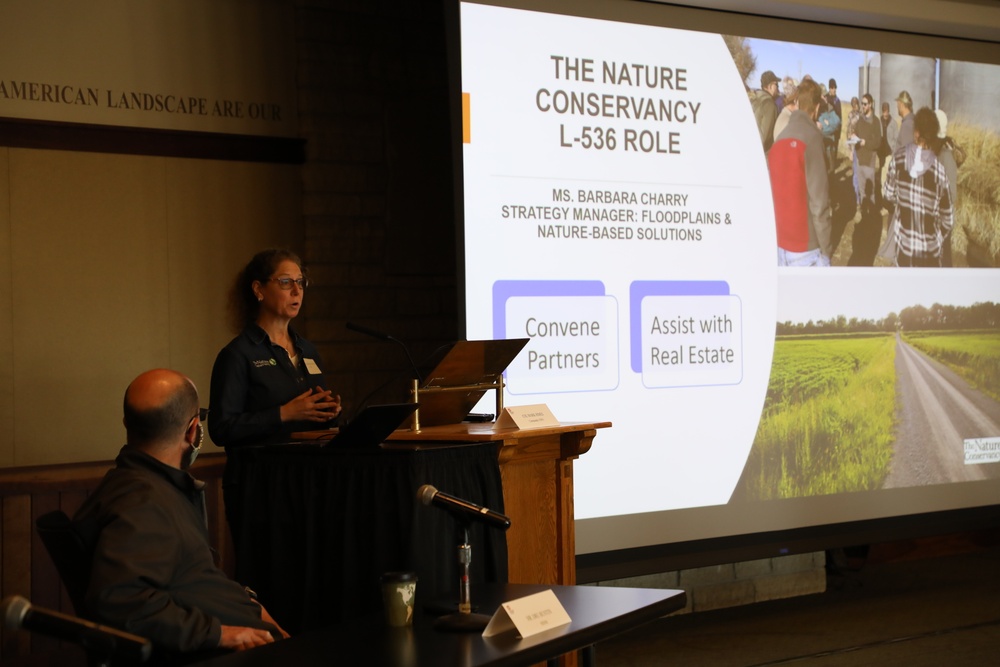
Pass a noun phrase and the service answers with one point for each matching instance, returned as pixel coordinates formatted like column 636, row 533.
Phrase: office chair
column 70, row 555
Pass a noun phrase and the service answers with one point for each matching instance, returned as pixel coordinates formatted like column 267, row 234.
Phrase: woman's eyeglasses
column 286, row 283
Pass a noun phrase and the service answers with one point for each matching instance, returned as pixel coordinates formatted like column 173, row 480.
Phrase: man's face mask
column 190, row 455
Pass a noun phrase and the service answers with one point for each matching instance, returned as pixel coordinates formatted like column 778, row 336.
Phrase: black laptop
column 370, row 427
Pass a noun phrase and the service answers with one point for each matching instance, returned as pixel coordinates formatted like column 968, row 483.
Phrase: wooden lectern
column 536, row 467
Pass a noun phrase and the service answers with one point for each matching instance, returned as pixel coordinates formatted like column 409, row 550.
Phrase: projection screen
column 618, row 209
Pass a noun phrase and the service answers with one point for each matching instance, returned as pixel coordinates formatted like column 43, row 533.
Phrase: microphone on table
column 16, row 613
column 429, row 495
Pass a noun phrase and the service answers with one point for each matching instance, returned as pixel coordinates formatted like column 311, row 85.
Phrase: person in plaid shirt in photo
column 916, row 187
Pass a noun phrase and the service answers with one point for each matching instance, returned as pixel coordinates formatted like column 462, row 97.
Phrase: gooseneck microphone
column 428, row 495
column 384, row 336
column 353, row 326
column 100, row 640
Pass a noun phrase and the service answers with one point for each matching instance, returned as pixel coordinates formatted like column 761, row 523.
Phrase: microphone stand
column 464, row 620
column 384, row 336
column 417, row 376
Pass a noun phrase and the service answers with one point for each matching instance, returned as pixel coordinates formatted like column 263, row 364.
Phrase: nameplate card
column 528, row 615
column 527, row 416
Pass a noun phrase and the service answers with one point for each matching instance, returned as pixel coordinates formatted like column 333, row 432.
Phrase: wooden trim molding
column 21, row 133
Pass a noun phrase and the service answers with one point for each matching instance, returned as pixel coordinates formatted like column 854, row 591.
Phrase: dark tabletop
column 597, row 613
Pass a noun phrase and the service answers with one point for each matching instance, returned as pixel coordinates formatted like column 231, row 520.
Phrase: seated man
column 153, row 573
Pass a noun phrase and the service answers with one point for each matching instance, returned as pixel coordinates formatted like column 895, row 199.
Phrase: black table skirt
column 314, row 529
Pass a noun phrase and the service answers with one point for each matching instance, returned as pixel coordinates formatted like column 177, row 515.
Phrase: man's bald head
column 158, row 407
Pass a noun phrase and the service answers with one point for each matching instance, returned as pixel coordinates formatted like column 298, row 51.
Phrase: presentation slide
column 620, row 208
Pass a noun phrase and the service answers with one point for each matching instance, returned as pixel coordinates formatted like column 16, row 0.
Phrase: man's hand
column 240, row 639
column 266, row 617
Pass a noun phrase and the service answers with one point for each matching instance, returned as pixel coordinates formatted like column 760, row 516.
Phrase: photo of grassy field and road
column 865, row 404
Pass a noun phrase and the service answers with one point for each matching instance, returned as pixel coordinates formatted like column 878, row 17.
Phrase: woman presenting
column 268, row 381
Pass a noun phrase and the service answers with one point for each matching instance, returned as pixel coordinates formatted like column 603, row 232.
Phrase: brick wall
column 377, row 186
column 735, row 584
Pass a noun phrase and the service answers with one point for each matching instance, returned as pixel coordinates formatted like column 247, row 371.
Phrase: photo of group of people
column 876, row 160
column 861, row 173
